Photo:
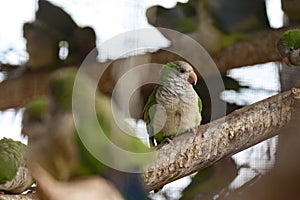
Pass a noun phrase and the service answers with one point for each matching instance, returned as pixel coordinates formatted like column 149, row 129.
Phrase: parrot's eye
column 291, row 49
column 181, row 70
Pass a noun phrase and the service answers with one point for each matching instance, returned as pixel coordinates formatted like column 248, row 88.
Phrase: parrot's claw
column 194, row 130
column 32, row 189
column 167, row 140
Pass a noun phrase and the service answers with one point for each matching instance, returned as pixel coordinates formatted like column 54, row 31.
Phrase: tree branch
column 16, row 92
column 200, row 148
column 261, row 48
column 29, row 196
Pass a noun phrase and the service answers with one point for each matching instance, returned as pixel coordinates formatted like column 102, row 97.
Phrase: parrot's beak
column 286, row 60
column 192, row 78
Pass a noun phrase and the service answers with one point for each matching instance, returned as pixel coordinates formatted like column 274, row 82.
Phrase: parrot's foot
column 194, row 130
column 167, row 140
column 32, row 189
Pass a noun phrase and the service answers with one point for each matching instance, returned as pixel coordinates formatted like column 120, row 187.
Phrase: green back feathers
column 292, row 38
column 11, row 158
column 112, row 130
column 88, row 163
column 64, row 83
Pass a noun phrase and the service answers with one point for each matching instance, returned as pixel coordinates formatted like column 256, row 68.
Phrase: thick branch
column 29, row 196
column 260, row 49
column 239, row 130
column 15, row 93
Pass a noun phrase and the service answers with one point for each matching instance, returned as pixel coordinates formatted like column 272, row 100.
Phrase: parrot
column 56, row 145
column 15, row 177
column 288, row 47
column 174, row 106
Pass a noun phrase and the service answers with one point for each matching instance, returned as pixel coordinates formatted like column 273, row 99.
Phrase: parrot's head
column 61, row 88
column 289, row 47
column 178, row 70
column 34, row 115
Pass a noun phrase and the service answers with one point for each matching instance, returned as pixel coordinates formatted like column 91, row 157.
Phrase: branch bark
column 200, row 148
column 16, row 92
column 260, row 49
column 29, row 196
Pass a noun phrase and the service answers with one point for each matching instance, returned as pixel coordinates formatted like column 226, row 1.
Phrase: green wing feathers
column 11, row 158
column 149, row 114
column 200, row 104
column 292, row 38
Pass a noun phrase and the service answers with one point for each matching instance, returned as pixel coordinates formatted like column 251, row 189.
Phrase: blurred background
column 239, row 32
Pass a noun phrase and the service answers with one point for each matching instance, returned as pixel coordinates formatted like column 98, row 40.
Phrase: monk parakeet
column 58, row 146
column 289, row 47
column 14, row 175
column 174, row 106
